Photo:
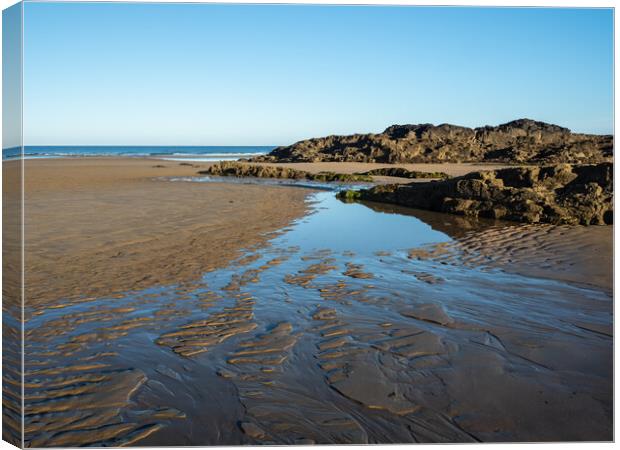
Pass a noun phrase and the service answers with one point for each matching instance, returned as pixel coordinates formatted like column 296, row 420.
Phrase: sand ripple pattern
column 278, row 409
column 386, row 370
column 302, row 347
column 198, row 337
column 535, row 250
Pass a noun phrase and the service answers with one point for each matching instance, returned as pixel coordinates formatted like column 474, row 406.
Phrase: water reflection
column 452, row 225
column 342, row 226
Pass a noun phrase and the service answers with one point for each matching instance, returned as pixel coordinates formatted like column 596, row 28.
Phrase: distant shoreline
column 197, row 153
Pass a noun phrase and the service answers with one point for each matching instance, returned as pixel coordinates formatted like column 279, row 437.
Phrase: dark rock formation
column 236, row 169
column 401, row 172
column 561, row 194
column 520, row 141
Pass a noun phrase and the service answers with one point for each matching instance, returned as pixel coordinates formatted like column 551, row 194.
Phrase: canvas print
column 235, row 224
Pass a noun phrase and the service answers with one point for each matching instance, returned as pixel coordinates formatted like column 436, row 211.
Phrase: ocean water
column 171, row 153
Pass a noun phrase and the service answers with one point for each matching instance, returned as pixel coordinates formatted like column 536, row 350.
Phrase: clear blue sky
column 197, row 74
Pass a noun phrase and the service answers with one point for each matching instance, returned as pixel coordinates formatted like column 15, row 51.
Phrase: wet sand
column 575, row 254
column 452, row 330
column 102, row 226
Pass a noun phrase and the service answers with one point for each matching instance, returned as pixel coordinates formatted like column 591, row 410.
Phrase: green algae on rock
column 235, row 169
column 401, row 172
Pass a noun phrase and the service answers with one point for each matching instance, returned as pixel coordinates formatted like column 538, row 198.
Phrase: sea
column 170, row 153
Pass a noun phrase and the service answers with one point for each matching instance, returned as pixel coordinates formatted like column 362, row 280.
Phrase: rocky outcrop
column 235, row 169
column 517, row 142
column 560, row 194
column 401, row 172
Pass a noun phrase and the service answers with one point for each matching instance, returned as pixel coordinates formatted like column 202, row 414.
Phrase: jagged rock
column 561, row 194
column 520, row 141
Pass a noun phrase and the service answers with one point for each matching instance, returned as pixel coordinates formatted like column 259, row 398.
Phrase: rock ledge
column 560, row 194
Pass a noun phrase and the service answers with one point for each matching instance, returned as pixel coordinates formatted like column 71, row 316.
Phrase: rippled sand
column 102, row 226
column 435, row 335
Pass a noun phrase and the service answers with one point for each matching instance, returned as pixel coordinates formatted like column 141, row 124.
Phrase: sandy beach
column 278, row 314
column 576, row 254
column 89, row 221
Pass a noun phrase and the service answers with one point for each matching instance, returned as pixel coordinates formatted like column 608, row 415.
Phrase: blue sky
column 199, row 74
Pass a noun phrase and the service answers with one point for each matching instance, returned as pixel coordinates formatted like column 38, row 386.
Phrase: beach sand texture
column 92, row 221
column 153, row 306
